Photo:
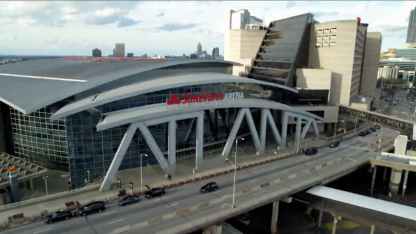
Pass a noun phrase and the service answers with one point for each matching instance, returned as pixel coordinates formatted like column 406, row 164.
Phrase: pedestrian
column 169, row 178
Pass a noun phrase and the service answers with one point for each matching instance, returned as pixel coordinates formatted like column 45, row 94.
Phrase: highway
column 188, row 195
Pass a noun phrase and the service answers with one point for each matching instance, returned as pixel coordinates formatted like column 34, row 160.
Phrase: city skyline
column 61, row 28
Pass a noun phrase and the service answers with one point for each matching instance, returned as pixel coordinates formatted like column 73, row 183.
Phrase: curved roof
column 161, row 110
column 153, row 85
column 31, row 85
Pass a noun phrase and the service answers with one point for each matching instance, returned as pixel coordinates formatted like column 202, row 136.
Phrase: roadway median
column 154, row 219
column 182, row 211
column 122, row 229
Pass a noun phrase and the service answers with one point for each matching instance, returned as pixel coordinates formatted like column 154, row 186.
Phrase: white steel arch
column 169, row 165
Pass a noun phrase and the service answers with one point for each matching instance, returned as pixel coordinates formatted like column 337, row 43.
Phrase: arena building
column 97, row 115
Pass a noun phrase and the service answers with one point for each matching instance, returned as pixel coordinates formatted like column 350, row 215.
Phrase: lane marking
column 115, row 221
column 107, row 213
column 43, row 77
column 351, row 159
column 42, row 231
column 253, row 180
column 174, row 204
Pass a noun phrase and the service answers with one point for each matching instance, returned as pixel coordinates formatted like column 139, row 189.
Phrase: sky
column 170, row 27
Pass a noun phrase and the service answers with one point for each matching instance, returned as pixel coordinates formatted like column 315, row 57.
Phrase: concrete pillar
column 334, row 226
column 406, row 175
column 275, row 217
column 384, row 176
column 320, row 218
column 395, row 178
column 373, row 180
column 213, row 229
column 372, row 229
column 172, row 147
column 199, row 141
column 31, row 183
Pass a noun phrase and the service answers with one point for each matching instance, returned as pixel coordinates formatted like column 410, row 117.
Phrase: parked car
column 363, row 133
column 209, row 187
column 93, row 207
column 311, row 151
column 155, row 192
column 376, row 126
column 129, row 200
column 334, row 144
column 368, row 131
column 58, row 216
column 373, row 129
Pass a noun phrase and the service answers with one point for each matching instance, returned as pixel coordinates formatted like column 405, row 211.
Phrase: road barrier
column 154, row 219
column 182, row 211
column 122, row 229
column 264, row 184
column 246, row 190
column 292, row 176
column 283, row 178
column 202, row 205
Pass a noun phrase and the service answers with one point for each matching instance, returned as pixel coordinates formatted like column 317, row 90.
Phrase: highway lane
column 185, row 196
column 216, row 209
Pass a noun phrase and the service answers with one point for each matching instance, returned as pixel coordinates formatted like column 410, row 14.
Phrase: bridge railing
column 353, row 132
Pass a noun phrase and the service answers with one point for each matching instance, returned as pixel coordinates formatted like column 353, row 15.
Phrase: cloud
column 290, row 4
column 323, row 13
column 170, row 27
column 126, row 22
column 8, row 37
column 160, row 14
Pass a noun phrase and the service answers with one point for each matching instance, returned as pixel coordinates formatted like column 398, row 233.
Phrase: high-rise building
column 119, row 51
column 411, row 29
column 300, row 52
column 130, row 55
column 199, row 50
column 242, row 37
column 96, row 53
column 215, row 52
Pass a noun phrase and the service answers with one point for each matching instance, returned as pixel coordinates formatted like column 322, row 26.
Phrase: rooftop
column 31, row 85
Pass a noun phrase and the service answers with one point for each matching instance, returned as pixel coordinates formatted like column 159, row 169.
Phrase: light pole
column 88, row 174
column 141, row 173
column 45, row 178
column 356, row 121
column 381, row 134
column 235, row 167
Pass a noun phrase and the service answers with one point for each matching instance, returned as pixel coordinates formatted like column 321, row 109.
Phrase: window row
column 326, row 38
column 326, row 31
column 325, row 44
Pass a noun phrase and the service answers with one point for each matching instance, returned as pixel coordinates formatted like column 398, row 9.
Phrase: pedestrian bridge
column 395, row 217
column 384, row 120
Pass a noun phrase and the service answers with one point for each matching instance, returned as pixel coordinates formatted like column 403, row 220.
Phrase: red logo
column 189, row 98
column 174, row 100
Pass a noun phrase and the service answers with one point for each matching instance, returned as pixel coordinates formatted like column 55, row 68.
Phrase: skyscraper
column 96, row 53
column 199, row 50
column 411, row 29
column 119, row 50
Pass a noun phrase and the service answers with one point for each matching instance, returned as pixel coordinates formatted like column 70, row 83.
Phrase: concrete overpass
column 384, row 120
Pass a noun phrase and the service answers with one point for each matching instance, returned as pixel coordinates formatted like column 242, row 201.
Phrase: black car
column 93, row 207
column 129, row 200
column 209, row 187
column 311, row 151
column 373, row 129
column 58, row 216
column 155, row 192
column 364, row 133
column 334, row 144
column 368, row 131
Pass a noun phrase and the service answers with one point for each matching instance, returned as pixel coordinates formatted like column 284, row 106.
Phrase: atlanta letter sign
column 207, row 97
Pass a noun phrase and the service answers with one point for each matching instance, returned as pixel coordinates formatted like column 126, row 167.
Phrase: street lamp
column 235, row 167
column 141, row 173
column 45, row 178
column 381, row 134
column 88, row 174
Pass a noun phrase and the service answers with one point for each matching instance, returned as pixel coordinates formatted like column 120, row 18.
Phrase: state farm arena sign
column 206, row 97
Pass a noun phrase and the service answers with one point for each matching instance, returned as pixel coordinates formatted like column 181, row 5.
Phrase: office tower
column 119, row 51
column 411, row 28
column 242, row 37
column 96, row 53
column 371, row 63
column 129, row 55
column 199, row 50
